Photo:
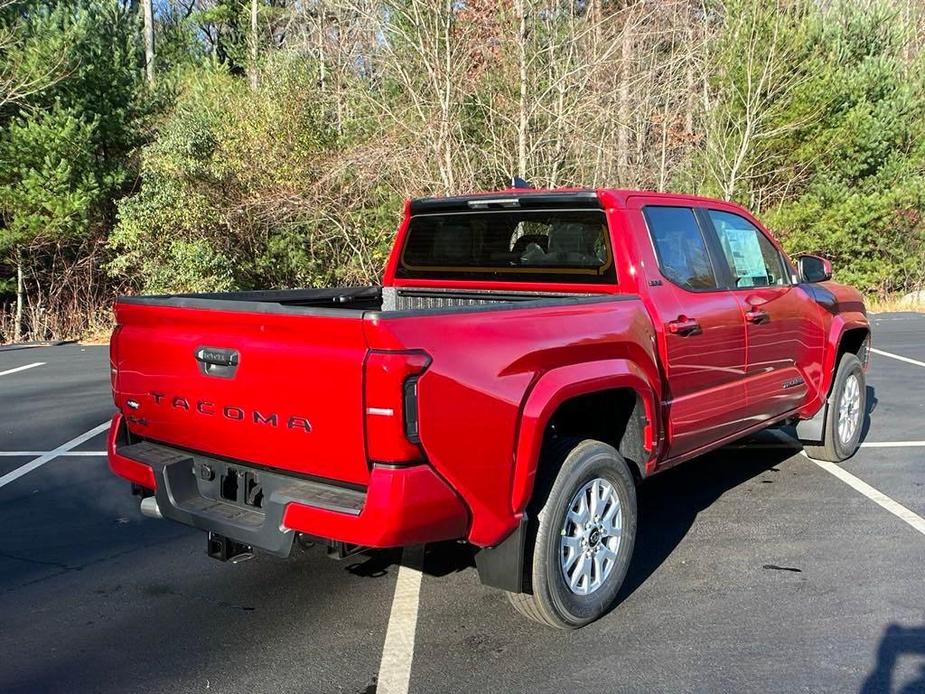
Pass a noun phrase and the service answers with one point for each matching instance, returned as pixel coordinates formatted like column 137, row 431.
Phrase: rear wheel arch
column 615, row 416
column 614, row 405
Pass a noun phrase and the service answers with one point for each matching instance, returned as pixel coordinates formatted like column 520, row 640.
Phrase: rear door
column 700, row 323
column 784, row 338
column 277, row 387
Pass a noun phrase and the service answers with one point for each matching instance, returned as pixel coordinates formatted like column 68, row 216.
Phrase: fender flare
column 811, row 428
column 840, row 325
column 555, row 387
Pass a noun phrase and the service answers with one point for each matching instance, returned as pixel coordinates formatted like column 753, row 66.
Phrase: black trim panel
column 525, row 200
column 511, row 306
column 190, row 491
column 234, row 304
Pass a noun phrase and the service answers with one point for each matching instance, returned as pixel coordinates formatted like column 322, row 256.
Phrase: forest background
column 207, row 145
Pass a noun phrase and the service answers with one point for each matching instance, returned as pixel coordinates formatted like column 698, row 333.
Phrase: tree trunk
column 253, row 46
column 523, row 119
column 691, row 84
column 20, row 300
column 623, row 100
column 149, row 39
column 322, row 58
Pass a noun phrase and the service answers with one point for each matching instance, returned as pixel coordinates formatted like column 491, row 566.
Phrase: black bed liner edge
column 236, row 302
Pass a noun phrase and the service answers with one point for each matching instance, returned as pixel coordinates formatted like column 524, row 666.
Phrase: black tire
column 832, row 447
column 549, row 600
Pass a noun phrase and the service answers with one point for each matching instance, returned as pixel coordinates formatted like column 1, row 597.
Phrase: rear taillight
column 114, row 362
column 391, row 402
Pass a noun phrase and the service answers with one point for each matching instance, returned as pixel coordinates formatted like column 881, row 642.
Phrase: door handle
column 684, row 326
column 757, row 316
column 217, row 361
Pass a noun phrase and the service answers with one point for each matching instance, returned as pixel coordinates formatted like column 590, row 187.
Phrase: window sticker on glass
column 752, row 258
column 745, row 252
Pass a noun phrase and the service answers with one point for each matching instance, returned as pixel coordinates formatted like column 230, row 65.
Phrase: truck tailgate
column 282, row 390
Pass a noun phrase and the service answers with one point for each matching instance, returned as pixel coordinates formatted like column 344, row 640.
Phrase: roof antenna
column 518, row 182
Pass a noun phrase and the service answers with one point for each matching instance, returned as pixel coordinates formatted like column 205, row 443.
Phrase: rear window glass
column 529, row 246
column 681, row 249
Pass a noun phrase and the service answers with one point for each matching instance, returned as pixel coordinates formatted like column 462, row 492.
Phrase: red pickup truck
column 530, row 357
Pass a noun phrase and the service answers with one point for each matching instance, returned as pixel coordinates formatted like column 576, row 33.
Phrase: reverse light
column 391, row 404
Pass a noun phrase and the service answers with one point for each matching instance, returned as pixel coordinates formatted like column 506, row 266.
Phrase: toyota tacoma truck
column 529, row 359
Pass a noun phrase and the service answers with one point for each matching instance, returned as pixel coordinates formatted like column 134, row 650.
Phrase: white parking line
column 897, row 357
column 875, row 495
column 26, row 454
column 398, row 650
column 891, row 444
column 51, row 455
column 21, row 368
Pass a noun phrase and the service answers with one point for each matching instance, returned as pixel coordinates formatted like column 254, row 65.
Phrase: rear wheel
column 582, row 539
column 845, row 417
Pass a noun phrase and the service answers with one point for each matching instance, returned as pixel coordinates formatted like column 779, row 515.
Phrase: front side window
column 509, row 245
column 753, row 260
column 681, row 249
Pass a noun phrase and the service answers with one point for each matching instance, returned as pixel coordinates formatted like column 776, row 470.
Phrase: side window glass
column 752, row 258
column 681, row 249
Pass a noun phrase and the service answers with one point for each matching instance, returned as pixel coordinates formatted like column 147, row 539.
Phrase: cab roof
column 519, row 198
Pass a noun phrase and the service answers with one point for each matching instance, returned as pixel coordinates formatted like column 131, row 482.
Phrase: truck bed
column 305, row 391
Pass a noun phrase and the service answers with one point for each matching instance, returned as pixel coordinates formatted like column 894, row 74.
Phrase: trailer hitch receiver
column 226, row 549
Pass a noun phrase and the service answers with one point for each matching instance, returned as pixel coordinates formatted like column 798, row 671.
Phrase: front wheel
column 582, row 539
column 845, row 417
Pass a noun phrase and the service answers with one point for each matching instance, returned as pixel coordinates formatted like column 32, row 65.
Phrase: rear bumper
column 400, row 506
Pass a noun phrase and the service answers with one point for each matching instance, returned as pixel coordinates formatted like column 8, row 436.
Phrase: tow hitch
column 225, row 549
column 342, row 550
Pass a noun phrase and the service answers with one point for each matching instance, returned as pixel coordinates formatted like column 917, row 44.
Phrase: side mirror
column 812, row 268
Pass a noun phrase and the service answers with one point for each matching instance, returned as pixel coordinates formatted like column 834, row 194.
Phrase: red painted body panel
column 841, row 308
column 704, row 385
column 131, row 470
column 404, row 506
column 407, row 505
column 304, row 400
column 786, row 349
column 306, row 371
column 484, row 365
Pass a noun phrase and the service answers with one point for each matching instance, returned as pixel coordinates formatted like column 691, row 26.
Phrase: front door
column 702, row 328
column 783, row 339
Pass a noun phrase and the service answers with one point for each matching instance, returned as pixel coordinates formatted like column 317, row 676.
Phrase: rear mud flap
column 502, row 566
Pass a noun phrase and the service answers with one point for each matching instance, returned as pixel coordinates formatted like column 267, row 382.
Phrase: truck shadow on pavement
column 670, row 502
column 897, row 641
column 668, row 505
column 440, row 559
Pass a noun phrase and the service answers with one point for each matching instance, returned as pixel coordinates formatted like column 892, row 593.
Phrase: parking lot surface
column 756, row 569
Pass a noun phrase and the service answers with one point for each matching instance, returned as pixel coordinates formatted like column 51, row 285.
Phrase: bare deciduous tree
column 752, row 98
column 148, row 12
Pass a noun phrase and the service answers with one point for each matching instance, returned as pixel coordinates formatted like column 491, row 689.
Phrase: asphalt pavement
column 756, row 570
